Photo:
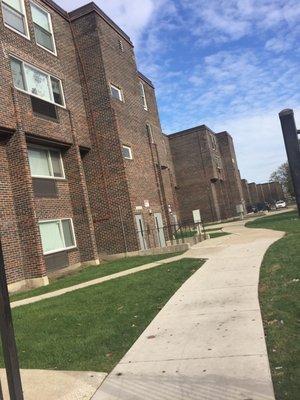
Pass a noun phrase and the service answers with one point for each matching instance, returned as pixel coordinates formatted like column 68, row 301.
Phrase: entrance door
column 160, row 229
column 141, row 232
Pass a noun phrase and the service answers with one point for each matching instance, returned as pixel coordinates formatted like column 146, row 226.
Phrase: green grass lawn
column 218, row 234
column 92, row 328
column 280, row 300
column 93, row 272
column 213, row 229
column 185, row 234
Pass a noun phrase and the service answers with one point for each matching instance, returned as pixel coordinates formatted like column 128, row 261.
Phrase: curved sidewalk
column 208, row 342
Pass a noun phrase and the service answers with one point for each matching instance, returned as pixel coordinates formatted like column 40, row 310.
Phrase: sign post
column 291, row 141
column 197, row 220
column 8, row 338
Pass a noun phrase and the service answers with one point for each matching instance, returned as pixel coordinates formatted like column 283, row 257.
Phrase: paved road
column 208, row 341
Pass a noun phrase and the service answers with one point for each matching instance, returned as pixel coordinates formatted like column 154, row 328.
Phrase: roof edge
column 92, row 7
column 56, row 8
column 191, row 130
column 145, row 79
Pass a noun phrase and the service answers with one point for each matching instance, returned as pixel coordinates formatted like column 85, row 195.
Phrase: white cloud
column 258, row 142
column 220, row 21
column 131, row 15
column 231, row 64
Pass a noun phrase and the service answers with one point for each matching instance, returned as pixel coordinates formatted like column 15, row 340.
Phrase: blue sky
column 229, row 64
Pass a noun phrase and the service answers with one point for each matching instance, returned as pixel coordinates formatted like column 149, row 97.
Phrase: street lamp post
column 8, row 338
column 291, row 140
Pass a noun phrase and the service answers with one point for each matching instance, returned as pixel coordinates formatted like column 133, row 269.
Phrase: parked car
column 264, row 206
column 280, row 204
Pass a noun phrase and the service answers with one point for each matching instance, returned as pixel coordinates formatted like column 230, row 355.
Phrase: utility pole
column 9, row 347
column 291, row 140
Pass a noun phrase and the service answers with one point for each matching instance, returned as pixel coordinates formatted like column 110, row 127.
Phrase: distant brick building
column 253, row 193
column 246, row 193
column 206, row 173
column 84, row 166
column 268, row 192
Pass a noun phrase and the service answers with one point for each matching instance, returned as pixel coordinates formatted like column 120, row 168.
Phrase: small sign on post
column 197, row 216
column 197, row 220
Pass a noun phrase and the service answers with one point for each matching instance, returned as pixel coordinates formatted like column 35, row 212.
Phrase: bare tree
column 283, row 176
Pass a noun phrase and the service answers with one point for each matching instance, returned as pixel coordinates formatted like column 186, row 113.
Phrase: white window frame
column 45, row 221
column 120, row 91
column 130, row 152
column 54, row 52
column 121, row 45
column 150, row 133
column 49, row 76
column 218, row 162
column 143, row 93
column 48, row 149
column 27, row 35
column 214, row 142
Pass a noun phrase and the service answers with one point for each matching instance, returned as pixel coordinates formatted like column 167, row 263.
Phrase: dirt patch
column 275, row 268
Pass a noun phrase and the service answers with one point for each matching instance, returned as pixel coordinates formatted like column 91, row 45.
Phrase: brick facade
column 246, row 193
column 114, row 177
column 268, row 192
column 207, row 174
column 102, row 191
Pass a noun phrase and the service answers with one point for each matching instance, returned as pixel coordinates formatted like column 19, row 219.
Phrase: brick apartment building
column 84, row 166
column 255, row 194
column 207, row 174
column 246, row 193
column 85, row 169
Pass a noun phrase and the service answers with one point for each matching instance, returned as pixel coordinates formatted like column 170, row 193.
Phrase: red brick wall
column 8, row 222
column 16, row 112
column 253, row 192
column 246, row 193
column 233, row 182
column 197, row 175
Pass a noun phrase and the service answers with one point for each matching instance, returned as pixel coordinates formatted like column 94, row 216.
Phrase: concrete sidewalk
column 56, row 385
column 208, row 341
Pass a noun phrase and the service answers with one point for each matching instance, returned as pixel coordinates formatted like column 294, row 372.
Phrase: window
column 218, row 162
column 116, row 92
column 213, row 142
column 127, row 152
column 145, row 105
column 57, row 235
column 37, row 82
column 14, row 16
column 45, row 163
column 121, row 46
column 43, row 28
column 150, row 133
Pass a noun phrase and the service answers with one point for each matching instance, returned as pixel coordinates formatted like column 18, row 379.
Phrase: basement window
column 14, row 16
column 43, row 28
column 45, row 163
column 37, row 82
column 57, row 235
column 127, row 152
column 116, row 92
